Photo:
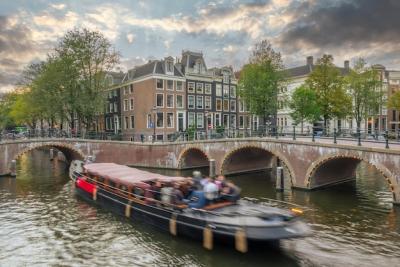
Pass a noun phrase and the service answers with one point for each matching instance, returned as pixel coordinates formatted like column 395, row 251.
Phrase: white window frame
column 131, row 88
column 199, row 119
column 234, row 105
column 183, row 101
column 225, row 89
column 216, row 105
column 191, row 85
column 157, row 100
column 173, row 101
column 218, row 90
column 199, row 88
column 194, row 101
column 132, row 124
column 243, row 118
column 160, row 88
column 172, row 89
column 233, row 91
column 172, row 121
column 150, row 118
column 193, row 115
column 207, row 88
column 126, row 104
column 235, row 120
column 241, row 105
column 177, row 88
column 126, row 122
column 199, row 97
column 156, row 122
column 218, row 121
column 131, row 104
column 223, row 105
column 209, row 101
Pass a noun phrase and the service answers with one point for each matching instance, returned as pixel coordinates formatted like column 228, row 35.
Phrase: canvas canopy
column 126, row 175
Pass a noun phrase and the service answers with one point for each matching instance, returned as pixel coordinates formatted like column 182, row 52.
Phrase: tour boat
column 127, row 192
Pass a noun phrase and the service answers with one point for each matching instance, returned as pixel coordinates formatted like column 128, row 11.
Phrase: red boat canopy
column 126, row 175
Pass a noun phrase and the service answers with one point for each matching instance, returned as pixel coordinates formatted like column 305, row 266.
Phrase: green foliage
column 304, row 106
column 363, row 86
column 6, row 103
column 394, row 101
column 191, row 132
column 328, row 85
column 220, row 129
column 261, row 79
column 24, row 110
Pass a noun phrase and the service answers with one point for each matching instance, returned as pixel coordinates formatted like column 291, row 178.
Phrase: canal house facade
column 153, row 101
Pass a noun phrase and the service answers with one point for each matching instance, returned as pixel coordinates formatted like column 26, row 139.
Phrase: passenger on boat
column 204, row 182
column 156, row 189
column 177, row 195
column 230, row 192
column 220, row 181
column 211, row 190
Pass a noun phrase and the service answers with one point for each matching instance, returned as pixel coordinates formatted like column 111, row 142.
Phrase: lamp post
column 154, row 111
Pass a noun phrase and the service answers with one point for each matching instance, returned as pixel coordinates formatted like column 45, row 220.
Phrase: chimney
column 310, row 61
column 347, row 64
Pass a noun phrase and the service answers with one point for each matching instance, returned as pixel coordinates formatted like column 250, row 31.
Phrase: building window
column 179, row 86
column 149, row 121
column 233, row 121
column 126, row 122
column 132, row 122
column 218, row 104
column 160, row 100
column 199, row 102
column 124, row 90
column 226, row 121
column 191, row 87
column 170, row 85
column 191, row 119
column 160, row 84
column 217, row 119
column 125, row 104
column 226, row 105
column 191, row 101
column 226, row 91
column 226, row 78
column 170, row 120
column 160, row 120
column 218, row 90
column 170, row 101
column 199, row 88
column 207, row 102
column 179, row 101
column 131, row 104
column 233, row 105
column 207, row 89
column 241, row 106
column 199, row 120
column 170, row 67
column 115, row 92
column 115, row 107
column 233, row 91
column 241, row 121
column 131, row 88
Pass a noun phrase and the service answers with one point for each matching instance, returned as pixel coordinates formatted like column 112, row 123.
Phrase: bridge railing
column 313, row 134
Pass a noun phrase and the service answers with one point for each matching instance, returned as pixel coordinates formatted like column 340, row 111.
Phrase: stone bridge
column 308, row 165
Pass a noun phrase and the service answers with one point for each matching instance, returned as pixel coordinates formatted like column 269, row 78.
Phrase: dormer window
column 169, row 65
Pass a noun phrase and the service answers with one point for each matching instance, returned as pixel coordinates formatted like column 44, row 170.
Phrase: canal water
column 42, row 223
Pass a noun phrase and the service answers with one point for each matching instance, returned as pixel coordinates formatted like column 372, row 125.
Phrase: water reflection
column 43, row 223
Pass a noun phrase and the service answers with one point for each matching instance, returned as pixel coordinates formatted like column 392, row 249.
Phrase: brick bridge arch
column 69, row 151
column 333, row 167
column 255, row 157
column 193, row 157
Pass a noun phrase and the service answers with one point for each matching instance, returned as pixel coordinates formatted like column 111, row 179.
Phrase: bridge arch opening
column 69, row 152
column 337, row 169
column 193, row 158
column 253, row 158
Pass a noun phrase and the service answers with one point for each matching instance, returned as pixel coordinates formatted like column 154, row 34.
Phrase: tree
column 394, row 101
column 362, row 83
column 90, row 55
column 304, row 106
column 328, row 85
column 260, row 80
column 6, row 103
column 24, row 110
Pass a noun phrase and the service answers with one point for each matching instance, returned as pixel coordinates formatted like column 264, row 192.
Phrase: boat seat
column 218, row 205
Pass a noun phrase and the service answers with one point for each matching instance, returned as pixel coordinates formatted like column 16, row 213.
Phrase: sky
column 224, row 30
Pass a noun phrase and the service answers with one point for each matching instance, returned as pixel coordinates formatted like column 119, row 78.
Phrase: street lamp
column 154, row 111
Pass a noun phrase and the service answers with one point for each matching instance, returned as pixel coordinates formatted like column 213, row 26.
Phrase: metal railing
column 313, row 134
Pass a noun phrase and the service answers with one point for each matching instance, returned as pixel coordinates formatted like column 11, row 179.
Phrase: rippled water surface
column 42, row 223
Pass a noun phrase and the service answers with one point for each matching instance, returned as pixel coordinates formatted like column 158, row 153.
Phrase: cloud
column 130, row 37
column 58, row 6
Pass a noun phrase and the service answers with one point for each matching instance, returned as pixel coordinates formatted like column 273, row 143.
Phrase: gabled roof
column 152, row 67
